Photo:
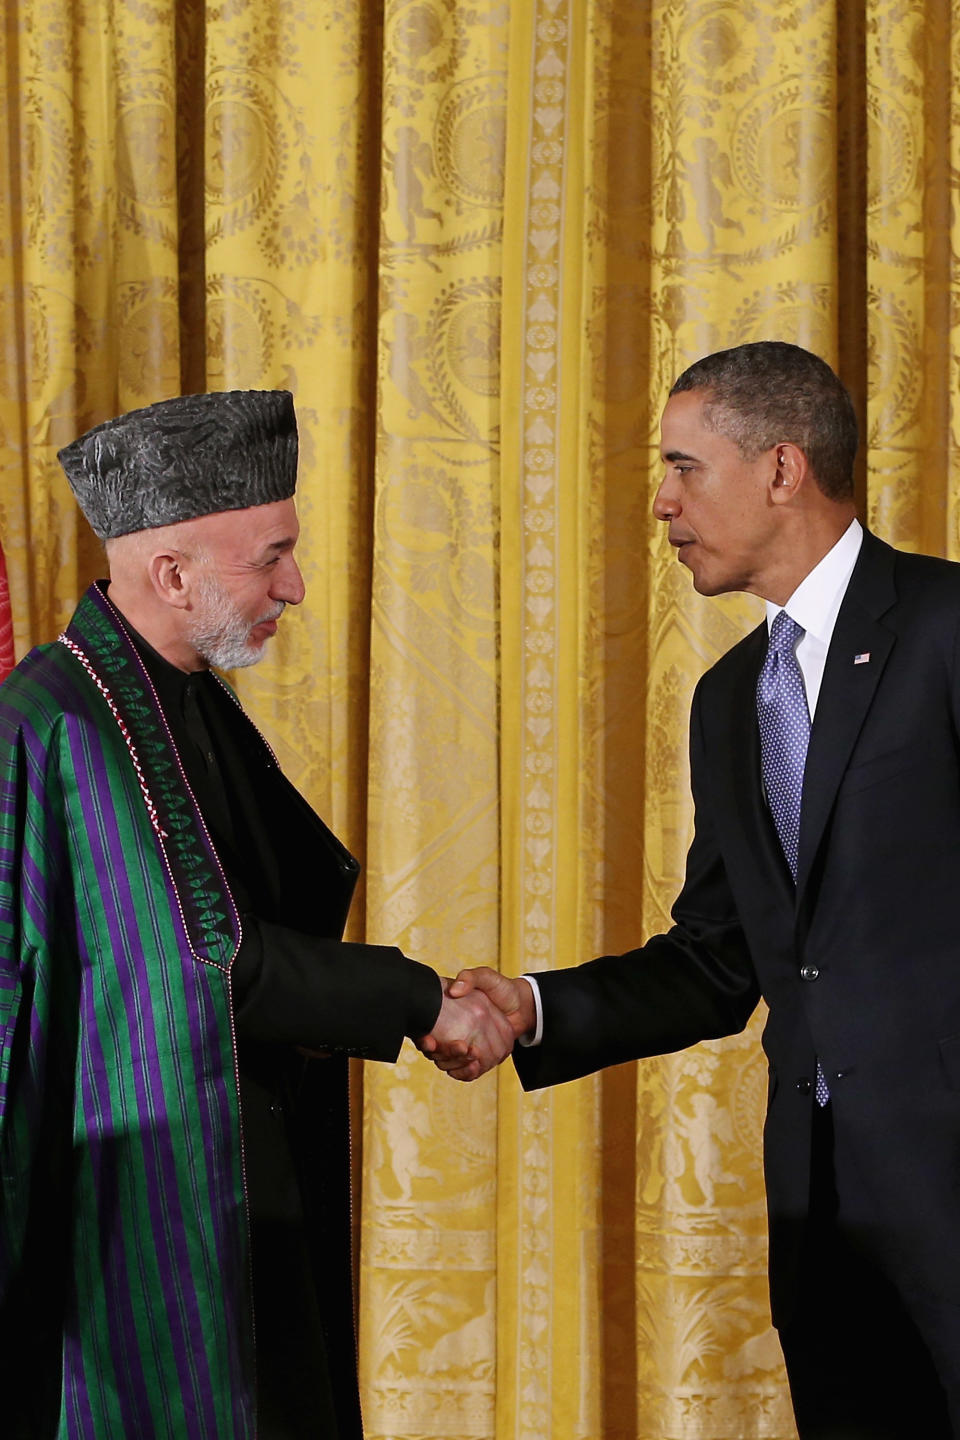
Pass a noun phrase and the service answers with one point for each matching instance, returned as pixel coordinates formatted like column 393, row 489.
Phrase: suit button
column 809, row 972
column 804, row 1085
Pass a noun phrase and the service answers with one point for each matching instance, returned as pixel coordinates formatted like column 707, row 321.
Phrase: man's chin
column 235, row 657
column 702, row 583
column 706, row 587
column 711, row 586
column 251, row 656
column 686, row 560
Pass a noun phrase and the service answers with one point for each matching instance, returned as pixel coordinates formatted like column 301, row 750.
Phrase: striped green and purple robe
column 124, row 1264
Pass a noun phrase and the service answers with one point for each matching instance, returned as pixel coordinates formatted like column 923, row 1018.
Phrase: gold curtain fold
column 478, row 243
column 428, row 1259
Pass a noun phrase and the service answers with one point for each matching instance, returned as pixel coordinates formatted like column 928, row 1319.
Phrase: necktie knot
column 784, row 632
column 781, row 672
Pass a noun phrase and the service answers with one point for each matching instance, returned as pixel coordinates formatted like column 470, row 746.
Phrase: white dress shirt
column 814, row 605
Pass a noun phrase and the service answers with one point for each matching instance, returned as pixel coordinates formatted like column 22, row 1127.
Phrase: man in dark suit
column 822, row 876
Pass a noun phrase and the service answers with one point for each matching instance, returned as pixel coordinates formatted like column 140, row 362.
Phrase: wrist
column 525, row 1018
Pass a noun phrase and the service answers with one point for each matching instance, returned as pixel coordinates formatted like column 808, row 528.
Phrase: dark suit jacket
column 860, row 963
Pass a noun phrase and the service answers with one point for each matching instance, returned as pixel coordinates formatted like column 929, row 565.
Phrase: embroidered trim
column 78, row 654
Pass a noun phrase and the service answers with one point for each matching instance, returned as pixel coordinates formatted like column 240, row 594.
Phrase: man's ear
column 790, row 471
column 170, row 578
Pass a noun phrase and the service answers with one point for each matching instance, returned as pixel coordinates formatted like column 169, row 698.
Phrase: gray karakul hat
column 182, row 458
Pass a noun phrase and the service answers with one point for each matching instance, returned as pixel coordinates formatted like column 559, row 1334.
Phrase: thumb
column 481, row 977
column 499, row 989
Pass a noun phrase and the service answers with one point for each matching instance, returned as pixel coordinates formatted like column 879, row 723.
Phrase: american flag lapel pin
column 863, row 658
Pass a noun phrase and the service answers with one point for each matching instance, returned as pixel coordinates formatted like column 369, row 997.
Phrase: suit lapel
column 847, row 691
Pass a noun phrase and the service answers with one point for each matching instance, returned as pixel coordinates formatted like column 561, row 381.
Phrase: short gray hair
column 771, row 392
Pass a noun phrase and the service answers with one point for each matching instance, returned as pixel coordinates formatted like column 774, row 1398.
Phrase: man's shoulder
column 930, row 582
column 915, row 563
column 52, row 678
column 40, row 682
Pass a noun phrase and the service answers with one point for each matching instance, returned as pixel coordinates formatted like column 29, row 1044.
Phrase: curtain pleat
column 428, row 1257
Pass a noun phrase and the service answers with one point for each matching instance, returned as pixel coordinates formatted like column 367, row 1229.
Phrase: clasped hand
column 481, row 1016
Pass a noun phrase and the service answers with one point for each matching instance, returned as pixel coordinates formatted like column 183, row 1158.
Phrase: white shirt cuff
column 537, row 1036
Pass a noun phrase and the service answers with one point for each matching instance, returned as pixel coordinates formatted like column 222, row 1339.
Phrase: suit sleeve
column 330, row 995
column 696, row 982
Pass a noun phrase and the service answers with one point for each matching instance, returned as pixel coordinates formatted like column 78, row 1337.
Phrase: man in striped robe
column 176, row 1003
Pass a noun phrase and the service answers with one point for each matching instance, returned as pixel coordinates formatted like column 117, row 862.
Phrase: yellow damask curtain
column 478, row 242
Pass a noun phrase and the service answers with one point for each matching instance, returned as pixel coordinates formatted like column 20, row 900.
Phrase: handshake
column 482, row 1015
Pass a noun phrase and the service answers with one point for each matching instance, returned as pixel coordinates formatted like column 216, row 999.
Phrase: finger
column 467, row 1072
column 490, row 1050
column 450, row 1060
column 480, row 977
column 451, row 1050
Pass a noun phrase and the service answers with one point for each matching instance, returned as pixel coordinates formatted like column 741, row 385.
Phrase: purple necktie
column 784, row 720
column 784, row 732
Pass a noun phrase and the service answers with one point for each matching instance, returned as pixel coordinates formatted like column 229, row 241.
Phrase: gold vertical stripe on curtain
column 941, row 340
column 428, row 1267
column 548, row 1197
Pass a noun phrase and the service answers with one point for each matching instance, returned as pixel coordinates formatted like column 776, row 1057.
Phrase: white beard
column 220, row 634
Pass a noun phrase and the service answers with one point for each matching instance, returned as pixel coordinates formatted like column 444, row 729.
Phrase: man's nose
column 666, row 503
column 289, row 585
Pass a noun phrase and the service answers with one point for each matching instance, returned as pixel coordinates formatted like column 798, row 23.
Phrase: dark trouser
column 867, row 1358
column 294, row 1400
column 294, row 1393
